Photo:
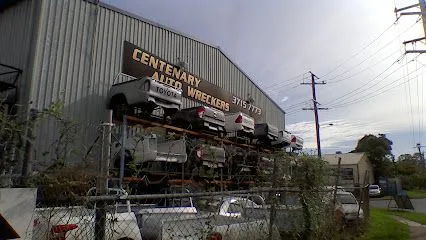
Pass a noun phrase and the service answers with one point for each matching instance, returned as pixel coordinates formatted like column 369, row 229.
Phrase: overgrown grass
column 413, row 216
column 416, row 194
column 383, row 226
column 413, row 194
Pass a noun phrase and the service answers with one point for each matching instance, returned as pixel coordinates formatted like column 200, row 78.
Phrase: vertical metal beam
column 123, row 149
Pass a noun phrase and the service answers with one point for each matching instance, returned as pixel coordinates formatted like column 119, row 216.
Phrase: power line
column 363, row 70
column 369, row 96
column 411, row 104
column 356, row 54
column 375, row 93
column 296, row 78
column 418, row 101
column 360, row 87
column 296, row 104
column 371, row 55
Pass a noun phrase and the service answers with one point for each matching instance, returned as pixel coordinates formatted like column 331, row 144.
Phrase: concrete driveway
column 418, row 204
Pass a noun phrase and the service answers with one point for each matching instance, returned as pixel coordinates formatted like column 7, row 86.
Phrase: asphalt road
column 418, row 204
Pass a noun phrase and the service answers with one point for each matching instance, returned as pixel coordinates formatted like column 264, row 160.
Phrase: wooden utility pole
column 315, row 109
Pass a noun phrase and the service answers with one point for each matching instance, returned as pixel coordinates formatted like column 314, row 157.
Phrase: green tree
column 407, row 164
column 379, row 151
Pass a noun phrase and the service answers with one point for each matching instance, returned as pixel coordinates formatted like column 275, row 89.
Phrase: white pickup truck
column 220, row 217
column 153, row 153
column 144, row 93
column 200, row 118
column 283, row 140
column 296, row 142
column 240, row 123
column 78, row 222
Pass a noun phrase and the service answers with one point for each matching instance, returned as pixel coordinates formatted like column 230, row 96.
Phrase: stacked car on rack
column 191, row 156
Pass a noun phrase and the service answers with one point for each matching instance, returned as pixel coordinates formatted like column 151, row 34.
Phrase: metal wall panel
column 67, row 71
column 16, row 28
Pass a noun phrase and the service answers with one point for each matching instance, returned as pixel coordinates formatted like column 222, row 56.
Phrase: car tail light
column 201, row 111
column 239, row 119
column 59, row 231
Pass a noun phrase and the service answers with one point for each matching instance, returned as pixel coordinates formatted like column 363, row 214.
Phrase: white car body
column 348, row 206
column 284, row 139
column 296, row 142
column 239, row 121
column 150, row 148
column 147, row 91
column 78, row 222
column 374, row 190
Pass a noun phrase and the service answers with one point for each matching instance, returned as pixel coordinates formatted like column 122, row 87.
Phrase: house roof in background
column 347, row 158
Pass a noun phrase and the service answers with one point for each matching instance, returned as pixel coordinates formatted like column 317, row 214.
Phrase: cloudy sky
column 354, row 46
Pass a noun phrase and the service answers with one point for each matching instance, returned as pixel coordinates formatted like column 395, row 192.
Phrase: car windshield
column 346, row 199
column 374, row 187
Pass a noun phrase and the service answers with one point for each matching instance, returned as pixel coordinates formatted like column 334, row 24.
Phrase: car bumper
column 374, row 194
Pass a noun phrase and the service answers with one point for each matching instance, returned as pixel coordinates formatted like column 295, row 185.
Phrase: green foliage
column 411, row 173
column 407, row 164
column 383, row 226
column 309, row 176
column 379, row 152
column 413, row 216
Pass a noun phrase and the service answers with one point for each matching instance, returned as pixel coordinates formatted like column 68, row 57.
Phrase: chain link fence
column 180, row 213
column 148, row 182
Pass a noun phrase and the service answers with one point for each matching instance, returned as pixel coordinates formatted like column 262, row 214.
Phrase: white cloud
column 334, row 134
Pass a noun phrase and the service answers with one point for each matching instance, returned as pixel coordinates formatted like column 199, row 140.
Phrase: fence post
column 102, row 181
column 336, row 182
column 274, row 198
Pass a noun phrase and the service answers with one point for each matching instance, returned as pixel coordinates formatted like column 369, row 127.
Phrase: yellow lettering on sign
column 191, row 92
column 204, row 97
column 226, row 107
column 162, row 64
column 191, row 79
column 135, row 54
column 197, row 82
column 145, row 58
column 155, row 76
column 153, row 62
column 183, row 77
column 198, row 95
column 176, row 73
column 169, row 69
column 208, row 99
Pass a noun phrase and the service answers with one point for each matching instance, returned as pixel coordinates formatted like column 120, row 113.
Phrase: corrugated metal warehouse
column 72, row 50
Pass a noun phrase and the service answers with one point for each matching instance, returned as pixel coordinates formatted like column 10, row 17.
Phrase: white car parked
column 374, row 191
column 348, row 207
